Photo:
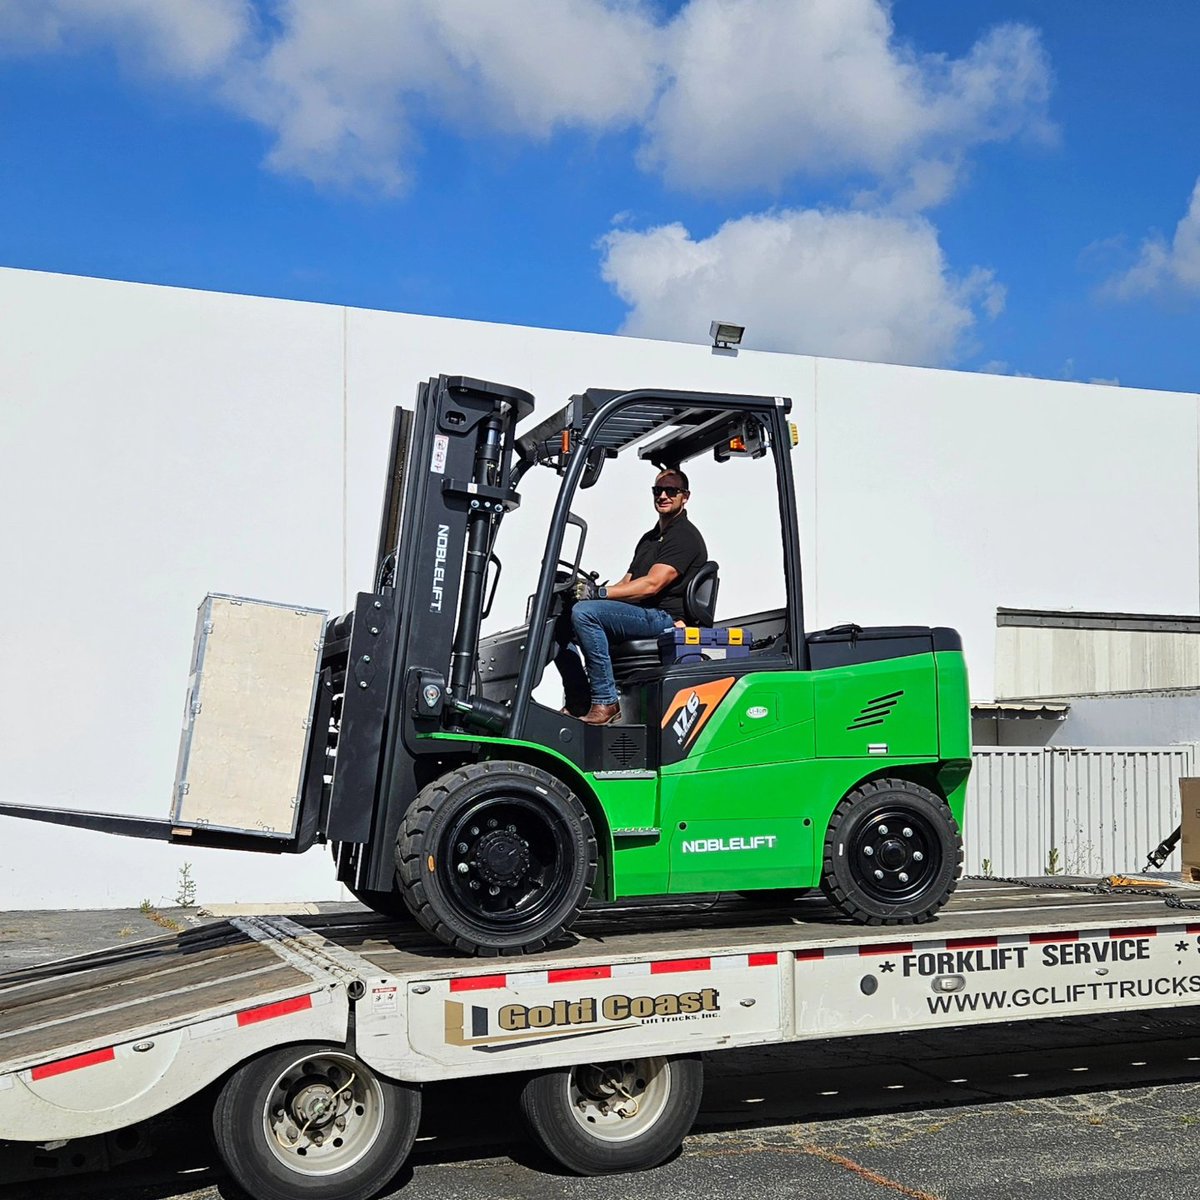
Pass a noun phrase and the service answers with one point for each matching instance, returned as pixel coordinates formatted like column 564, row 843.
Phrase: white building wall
column 156, row 444
column 1053, row 662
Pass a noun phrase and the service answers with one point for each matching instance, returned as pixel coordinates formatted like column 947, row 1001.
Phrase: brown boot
column 601, row 714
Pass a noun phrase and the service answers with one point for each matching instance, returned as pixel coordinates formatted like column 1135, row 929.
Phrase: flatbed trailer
column 318, row 1032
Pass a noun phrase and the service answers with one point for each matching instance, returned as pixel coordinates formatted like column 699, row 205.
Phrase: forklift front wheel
column 893, row 853
column 313, row 1122
column 604, row 1118
column 496, row 858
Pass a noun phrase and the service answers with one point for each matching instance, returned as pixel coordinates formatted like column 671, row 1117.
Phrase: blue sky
column 1003, row 186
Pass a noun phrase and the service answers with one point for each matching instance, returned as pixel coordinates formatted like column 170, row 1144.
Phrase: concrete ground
column 1050, row 1110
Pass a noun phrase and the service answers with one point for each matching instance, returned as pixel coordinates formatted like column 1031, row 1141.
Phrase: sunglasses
column 670, row 492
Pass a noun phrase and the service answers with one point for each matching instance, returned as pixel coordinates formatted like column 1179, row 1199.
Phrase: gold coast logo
column 482, row 1028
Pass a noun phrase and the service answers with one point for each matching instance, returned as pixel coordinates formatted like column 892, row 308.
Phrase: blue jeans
column 597, row 624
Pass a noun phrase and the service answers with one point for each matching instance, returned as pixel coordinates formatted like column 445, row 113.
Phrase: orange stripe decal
column 691, row 708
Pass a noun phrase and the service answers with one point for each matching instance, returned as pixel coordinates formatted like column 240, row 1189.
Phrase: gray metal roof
column 1011, row 711
column 1040, row 618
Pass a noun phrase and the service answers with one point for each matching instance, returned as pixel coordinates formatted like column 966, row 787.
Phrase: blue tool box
column 693, row 644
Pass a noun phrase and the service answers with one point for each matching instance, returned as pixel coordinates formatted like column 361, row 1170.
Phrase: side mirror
column 597, row 456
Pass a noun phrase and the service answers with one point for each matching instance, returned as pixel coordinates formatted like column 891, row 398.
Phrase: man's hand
column 585, row 588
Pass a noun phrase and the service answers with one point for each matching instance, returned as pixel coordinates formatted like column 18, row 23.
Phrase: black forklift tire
column 272, row 1110
column 496, row 858
column 386, row 904
column 606, row 1118
column 893, row 853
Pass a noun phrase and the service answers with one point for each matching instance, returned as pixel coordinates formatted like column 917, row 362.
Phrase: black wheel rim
column 511, row 862
column 895, row 855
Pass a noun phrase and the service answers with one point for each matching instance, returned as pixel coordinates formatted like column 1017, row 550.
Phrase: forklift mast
column 407, row 652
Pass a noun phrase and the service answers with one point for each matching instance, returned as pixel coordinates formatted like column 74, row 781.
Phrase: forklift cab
column 667, row 430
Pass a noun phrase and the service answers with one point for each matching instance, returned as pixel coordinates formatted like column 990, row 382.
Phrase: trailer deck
column 98, row 1042
column 247, row 964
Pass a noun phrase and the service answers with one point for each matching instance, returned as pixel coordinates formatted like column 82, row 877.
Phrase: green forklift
column 753, row 755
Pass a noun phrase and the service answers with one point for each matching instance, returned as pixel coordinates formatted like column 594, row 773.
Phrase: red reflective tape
column 478, row 983
column 1036, row 939
column 1193, row 929
column 63, row 1065
column 266, row 1012
column 1149, row 931
column 763, row 960
column 680, row 964
column 889, row 948
column 808, row 955
column 571, row 974
column 971, row 943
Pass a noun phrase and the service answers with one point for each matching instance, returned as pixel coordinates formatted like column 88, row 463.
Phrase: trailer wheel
column 893, row 853
column 603, row 1118
column 496, row 858
column 312, row 1122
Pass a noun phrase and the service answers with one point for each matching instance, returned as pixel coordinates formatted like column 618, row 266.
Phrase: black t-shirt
column 680, row 546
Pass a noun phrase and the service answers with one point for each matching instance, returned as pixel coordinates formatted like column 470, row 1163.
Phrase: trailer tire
column 574, row 1113
column 301, row 1090
column 496, row 858
column 893, row 853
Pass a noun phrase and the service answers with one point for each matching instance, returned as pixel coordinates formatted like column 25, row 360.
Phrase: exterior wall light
column 724, row 335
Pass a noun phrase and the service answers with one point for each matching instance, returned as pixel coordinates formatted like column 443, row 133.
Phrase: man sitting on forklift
column 648, row 601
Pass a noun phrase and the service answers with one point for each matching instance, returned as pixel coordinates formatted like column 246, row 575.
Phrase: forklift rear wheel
column 496, row 858
column 893, row 853
column 312, row 1122
column 604, row 1118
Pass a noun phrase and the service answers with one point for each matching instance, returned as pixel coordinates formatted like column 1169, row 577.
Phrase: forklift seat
column 699, row 608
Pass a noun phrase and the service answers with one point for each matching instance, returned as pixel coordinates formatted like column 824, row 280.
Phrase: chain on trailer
column 1110, row 885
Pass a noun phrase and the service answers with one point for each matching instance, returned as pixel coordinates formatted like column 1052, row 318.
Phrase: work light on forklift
column 794, row 430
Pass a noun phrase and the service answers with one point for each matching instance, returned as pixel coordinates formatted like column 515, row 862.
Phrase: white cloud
column 541, row 64
column 339, row 84
column 764, row 89
column 843, row 284
column 731, row 94
column 1163, row 267
column 187, row 38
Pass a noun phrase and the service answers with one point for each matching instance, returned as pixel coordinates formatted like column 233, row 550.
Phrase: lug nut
column 906, row 831
column 474, row 885
column 493, row 823
column 883, row 831
column 462, row 847
column 878, row 874
column 868, row 850
column 918, row 856
column 903, row 876
column 463, row 869
column 494, row 890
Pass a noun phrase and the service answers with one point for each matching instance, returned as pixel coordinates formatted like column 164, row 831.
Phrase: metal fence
column 1072, row 810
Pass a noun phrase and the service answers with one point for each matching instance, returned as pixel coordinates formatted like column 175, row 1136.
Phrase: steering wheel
column 565, row 575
